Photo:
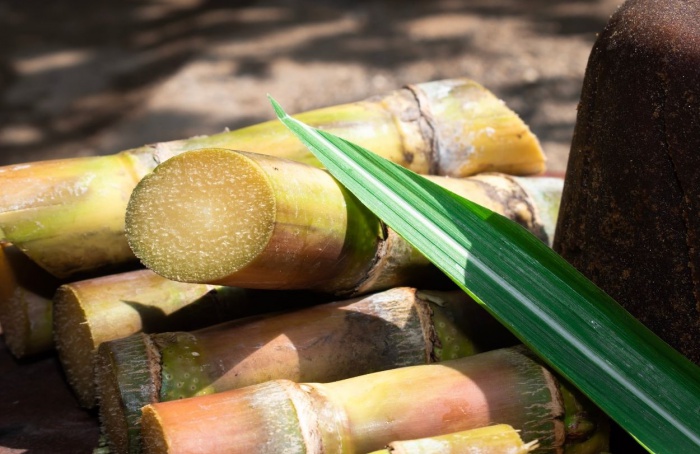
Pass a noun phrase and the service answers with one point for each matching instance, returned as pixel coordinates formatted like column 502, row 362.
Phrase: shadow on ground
column 82, row 78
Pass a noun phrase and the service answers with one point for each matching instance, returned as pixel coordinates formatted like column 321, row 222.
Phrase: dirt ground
column 81, row 77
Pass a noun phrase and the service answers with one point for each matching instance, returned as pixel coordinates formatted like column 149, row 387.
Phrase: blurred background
column 81, row 77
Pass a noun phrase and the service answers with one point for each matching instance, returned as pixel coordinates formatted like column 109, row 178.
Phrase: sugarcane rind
column 41, row 219
column 183, row 373
column 453, row 343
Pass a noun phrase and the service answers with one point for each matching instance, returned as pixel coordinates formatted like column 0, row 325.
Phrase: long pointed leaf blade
column 645, row 385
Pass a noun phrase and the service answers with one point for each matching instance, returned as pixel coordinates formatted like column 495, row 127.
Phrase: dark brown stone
column 630, row 214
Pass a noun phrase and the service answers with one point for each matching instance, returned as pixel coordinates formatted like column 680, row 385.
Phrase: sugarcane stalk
column 90, row 312
column 326, row 342
column 257, row 221
column 496, row 439
column 25, row 303
column 68, row 215
column 365, row 413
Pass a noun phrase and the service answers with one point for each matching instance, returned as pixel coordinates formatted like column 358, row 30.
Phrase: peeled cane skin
column 25, row 303
column 119, row 424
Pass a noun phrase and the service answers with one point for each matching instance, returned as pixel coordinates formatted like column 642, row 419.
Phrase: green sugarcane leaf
column 649, row 388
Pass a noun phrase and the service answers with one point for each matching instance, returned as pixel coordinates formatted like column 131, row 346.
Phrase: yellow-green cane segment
column 244, row 219
column 68, row 215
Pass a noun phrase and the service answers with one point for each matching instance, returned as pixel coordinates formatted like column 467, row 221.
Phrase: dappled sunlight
column 91, row 80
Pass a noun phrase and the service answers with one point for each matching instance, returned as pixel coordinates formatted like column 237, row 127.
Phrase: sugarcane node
column 468, row 123
column 327, row 342
column 297, row 228
column 183, row 373
column 362, row 414
column 452, row 127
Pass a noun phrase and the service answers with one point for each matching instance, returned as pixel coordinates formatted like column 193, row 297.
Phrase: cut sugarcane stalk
column 25, row 303
column 496, row 439
column 257, row 221
column 68, row 215
column 328, row 342
column 451, row 127
column 365, row 413
column 90, row 312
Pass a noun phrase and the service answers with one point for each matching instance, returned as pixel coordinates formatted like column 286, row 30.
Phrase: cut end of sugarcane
column 155, row 440
column 201, row 215
column 75, row 345
column 127, row 375
column 112, row 417
column 25, row 303
column 15, row 327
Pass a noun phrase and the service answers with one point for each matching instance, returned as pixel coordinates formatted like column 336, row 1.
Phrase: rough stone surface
column 630, row 213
